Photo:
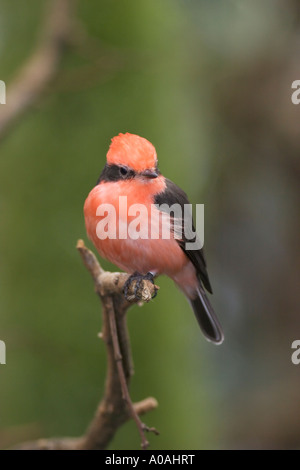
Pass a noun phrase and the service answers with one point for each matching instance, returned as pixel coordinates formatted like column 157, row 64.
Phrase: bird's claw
column 150, row 277
column 138, row 278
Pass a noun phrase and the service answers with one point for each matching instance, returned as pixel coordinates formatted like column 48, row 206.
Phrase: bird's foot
column 150, row 277
column 137, row 278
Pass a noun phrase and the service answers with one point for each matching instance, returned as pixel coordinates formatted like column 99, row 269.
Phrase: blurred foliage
column 196, row 78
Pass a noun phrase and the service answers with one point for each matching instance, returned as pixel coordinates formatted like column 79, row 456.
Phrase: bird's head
column 130, row 155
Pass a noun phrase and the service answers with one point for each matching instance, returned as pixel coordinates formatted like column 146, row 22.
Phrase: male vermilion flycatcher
column 131, row 171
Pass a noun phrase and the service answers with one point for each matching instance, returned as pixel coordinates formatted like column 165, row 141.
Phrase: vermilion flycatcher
column 131, row 172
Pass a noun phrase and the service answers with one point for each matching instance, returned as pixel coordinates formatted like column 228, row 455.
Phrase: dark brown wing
column 173, row 194
column 203, row 310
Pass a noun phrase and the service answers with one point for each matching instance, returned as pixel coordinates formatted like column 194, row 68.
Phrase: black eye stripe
column 113, row 173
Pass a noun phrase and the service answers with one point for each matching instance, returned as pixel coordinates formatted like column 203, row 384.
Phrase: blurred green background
column 209, row 84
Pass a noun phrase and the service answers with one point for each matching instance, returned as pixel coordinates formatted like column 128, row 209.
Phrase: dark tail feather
column 206, row 317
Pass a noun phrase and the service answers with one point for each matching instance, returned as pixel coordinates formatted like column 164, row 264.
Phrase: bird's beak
column 149, row 174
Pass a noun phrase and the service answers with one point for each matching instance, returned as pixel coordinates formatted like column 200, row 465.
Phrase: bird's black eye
column 123, row 171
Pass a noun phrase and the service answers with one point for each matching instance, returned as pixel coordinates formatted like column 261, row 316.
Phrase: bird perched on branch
column 126, row 217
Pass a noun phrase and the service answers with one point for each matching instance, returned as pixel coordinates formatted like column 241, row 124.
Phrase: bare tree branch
column 116, row 406
column 109, row 287
column 43, row 65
